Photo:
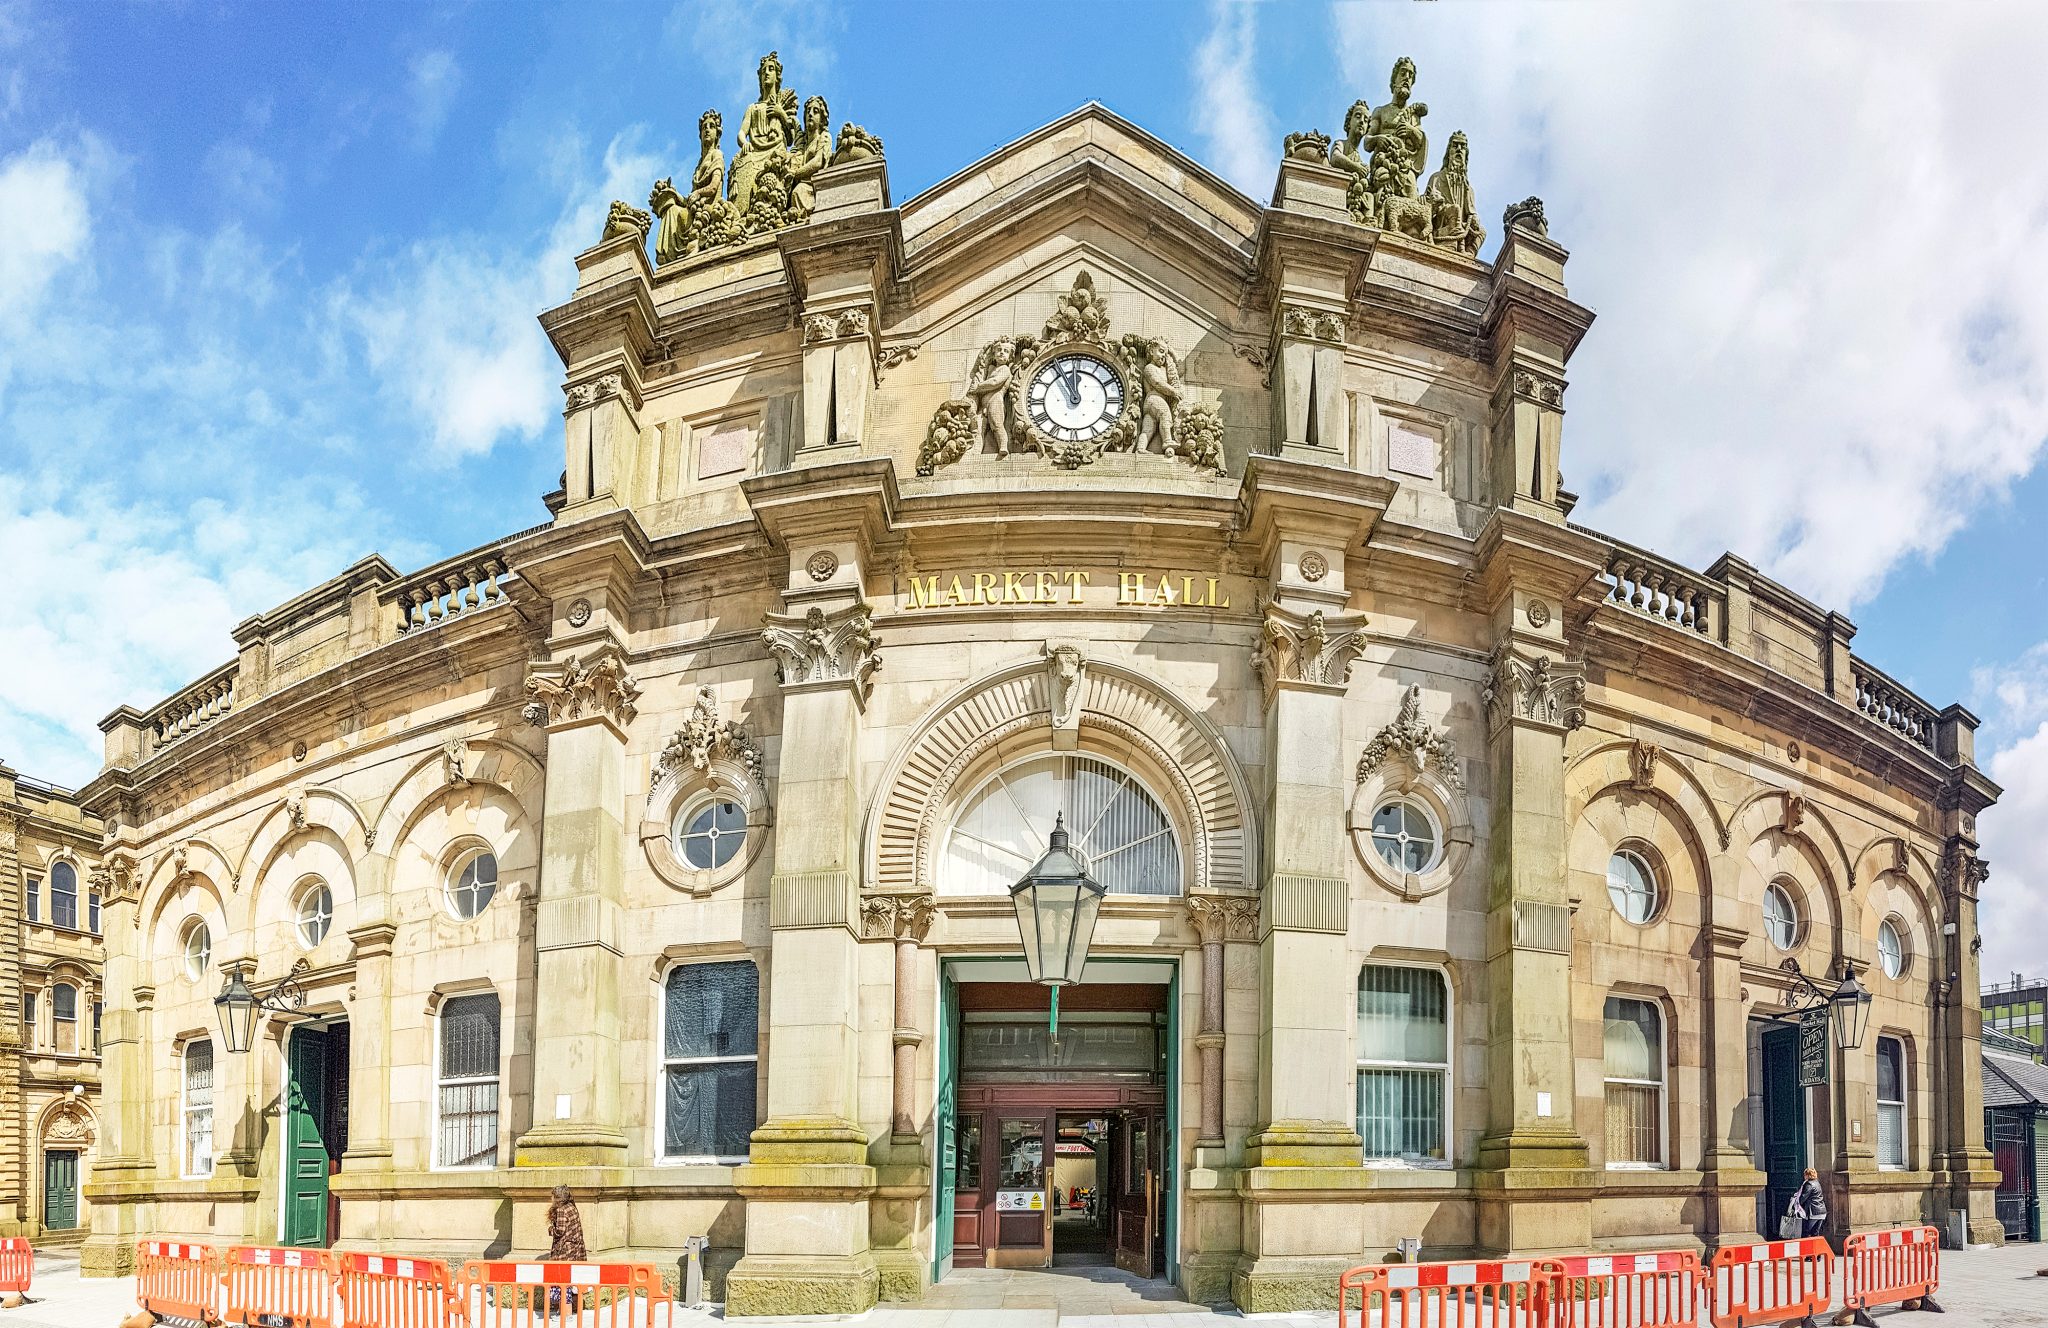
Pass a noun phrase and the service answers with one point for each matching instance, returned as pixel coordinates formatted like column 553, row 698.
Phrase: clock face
column 1076, row 398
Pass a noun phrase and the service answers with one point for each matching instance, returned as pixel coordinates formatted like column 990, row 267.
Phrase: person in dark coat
column 1810, row 1205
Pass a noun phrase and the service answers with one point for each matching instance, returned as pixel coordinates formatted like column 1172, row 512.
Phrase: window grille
column 1891, row 1103
column 1634, row 1050
column 1403, row 1064
column 468, row 1085
column 711, row 1029
column 198, row 1110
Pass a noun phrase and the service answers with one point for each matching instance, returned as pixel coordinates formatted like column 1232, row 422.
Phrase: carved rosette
column 1411, row 738
column 1315, row 649
column 1218, row 917
column 1524, row 687
column 896, row 917
column 570, row 691
column 823, row 647
column 703, row 739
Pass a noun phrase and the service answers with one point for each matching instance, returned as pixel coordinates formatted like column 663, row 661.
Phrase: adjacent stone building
column 50, row 960
column 1462, row 861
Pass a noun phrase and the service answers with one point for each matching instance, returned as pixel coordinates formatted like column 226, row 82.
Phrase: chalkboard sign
column 1813, row 1048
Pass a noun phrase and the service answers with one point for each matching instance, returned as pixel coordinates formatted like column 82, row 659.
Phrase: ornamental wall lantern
column 1848, row 1005
column 1056, row 903
column 237, row 1005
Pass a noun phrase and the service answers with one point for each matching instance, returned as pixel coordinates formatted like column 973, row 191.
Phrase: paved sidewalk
column 1979, row 1289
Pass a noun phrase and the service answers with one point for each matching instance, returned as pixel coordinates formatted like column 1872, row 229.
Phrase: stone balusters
column 1663, row 591
column 1893, row 706
column 472, row 582
column 194, row 708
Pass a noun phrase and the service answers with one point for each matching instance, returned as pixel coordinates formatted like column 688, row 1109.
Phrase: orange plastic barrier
column 17, row 1266
column 588, row 1295
column 266, row 1286
column 1885, row 1267
column 381, row 1291
column 1660, row 1290
column 178, row 1283
column 1500, row 1294
column 1778, row 1281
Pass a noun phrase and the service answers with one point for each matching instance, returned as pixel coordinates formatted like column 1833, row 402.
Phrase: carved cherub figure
column 1456, row 222
column 993, row 386
column 813, row 153
column 1160, row 374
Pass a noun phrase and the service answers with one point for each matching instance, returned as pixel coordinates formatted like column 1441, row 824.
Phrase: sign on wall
column 1048, row 585
column 1020, row 1201
column 1813, row 1048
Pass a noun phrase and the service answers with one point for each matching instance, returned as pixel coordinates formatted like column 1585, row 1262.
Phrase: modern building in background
column 1466, row 868
column 50, row 962
column 2019, row 1007
column 2016, row 1125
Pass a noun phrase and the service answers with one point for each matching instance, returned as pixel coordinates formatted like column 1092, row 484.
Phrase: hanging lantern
column 1850, row 1009
column 1056, row 903
column 236, row 1006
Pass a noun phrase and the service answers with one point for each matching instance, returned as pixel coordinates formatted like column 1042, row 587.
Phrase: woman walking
column 1810, row 1205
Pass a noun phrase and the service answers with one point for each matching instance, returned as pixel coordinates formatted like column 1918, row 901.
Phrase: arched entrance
column 65, row 1137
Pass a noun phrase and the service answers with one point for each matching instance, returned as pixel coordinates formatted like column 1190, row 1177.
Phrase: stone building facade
column 50, row 997
column 1459, row 857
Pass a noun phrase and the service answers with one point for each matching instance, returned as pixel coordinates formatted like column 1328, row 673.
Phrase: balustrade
column 463, row 585
column 194, row 708
column 1661, row 590
column 1893, row 706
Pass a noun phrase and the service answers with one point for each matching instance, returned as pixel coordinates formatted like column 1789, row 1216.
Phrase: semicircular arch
column 497, row 763
column 1609, row 768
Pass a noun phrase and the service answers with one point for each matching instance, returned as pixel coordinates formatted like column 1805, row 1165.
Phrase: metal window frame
column 663, row 1063
column 1662, row 1083
column 1449, row 1093
column 434, row 1162
column 186, row 1111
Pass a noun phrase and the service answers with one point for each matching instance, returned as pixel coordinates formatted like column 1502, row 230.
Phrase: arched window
column 196, row 1109
column 1404, row 1065
column 1634, row 1053
column 1117, row 826
column 1632, row 887
column 64, row 895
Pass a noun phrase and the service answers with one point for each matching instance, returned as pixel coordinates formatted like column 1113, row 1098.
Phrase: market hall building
column 1462, row 866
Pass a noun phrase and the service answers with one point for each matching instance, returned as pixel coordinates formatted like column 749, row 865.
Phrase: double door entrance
column 315, row 1131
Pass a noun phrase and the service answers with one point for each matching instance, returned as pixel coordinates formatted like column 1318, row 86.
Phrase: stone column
column 586, row 704
column 909, row 918
column 369, row 1051
column 1206, row 911
column 125, row 1169
column 1732, row 1180
column 808, row 1178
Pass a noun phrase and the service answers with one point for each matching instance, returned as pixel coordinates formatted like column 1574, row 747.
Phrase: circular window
column 1781, row 917
column 707, row 834
column 474, row 882
column 1891, row 948
column 198, row 950
column 1632, row 886
column 1405, row 836
column 315, row 913
column 1117, row 827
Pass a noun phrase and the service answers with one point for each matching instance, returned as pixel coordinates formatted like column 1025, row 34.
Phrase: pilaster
column 369, row 1048
column 1963, row 1162
column 1530, row 330
column 124, row 1172
column 1730, row 1179
column 840, row 265
column 1310, row 260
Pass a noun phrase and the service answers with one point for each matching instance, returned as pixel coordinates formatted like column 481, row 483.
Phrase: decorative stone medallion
column 298, row 751
column 579, row 612
column 1314, row 567
column 1538, row 613
column 822, row 565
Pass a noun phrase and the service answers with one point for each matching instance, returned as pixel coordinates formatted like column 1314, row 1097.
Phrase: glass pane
column 1634, row 1040
column 1023, row 1049
column 967, row 1152
column 710, row 1110
column 64, row 895
column 1401, row 1114
column 712, row 1010
column 1118, row 828
column 1891, row 1135
column 64, row 1001
column 199, row 1074
column 469, row 1125
column 1890, row 951
column 1022, row 1156
column 1633, row 1131
column 1890, row 1070
column 199, row 1141
column 469, row 1037
column 1401, row 1016
column 1780, row 922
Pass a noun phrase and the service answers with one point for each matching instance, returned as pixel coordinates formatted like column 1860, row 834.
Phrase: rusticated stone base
column 100, row 1257
column 1986, row 1231
column 1274, row 1286
column 904, row 1275
column 763, row 1286
column 1206, row 1278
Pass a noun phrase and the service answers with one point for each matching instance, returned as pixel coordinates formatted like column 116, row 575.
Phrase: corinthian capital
column 1533, row 688
column 572, row 690
column 1315, row 649
column 821, row 647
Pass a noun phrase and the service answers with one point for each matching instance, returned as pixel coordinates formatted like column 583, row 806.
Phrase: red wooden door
column 1137, row 1192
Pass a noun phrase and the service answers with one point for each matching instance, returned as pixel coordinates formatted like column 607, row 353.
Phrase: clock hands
column 1072, row 380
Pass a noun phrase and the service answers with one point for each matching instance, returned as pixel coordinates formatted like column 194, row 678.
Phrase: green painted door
column 1784, row 1159
column 305, row 1152
column 946, row 1131
column 60, row 1190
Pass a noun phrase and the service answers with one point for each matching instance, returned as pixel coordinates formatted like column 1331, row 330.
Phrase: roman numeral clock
column 1075, row 398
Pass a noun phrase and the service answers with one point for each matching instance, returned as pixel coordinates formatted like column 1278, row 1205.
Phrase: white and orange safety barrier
column 590, row 1295
column 1660, row 1290
column 1891, row 1267
column 177, row 1282
column 1773, row 1282
column 267, row 1286
column 17, row 1266
column 1498, row 1294
column 383, row 1291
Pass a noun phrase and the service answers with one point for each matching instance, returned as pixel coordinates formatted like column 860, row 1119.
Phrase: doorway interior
column 316, row 1131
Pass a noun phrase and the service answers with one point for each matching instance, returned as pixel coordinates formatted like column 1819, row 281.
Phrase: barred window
column 64, row 895
column 1891, row 1103
column 1635, row 1083
column 467, row 1089
column 198, row 1110
column 711, row 1030
column 1404, row 1064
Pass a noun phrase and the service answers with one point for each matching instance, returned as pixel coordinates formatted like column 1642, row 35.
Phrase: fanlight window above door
column 1118, row 827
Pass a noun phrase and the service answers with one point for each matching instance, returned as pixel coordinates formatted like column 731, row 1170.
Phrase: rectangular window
column 35, row 900
column 96, row 1008
column 92, row 912
column 64, row 896
column 28, row 1020
column 711, row 1034
column 64, row 1018
column 1404, row 1065
column 468, row 1085
column 1634, row 1050
column 198, row 1111
column 1891, row 1103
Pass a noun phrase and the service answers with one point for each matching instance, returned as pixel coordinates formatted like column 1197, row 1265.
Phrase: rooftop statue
column 625, row 219
column 768, row 130
column 704, row 219
column 1383, row 152
column 1454, row 223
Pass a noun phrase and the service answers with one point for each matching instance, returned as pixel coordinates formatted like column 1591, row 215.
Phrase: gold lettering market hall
column 1465, row 871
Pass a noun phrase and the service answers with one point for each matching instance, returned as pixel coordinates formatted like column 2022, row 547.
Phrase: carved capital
column 579, row 395
column 704, row 738
column 1218, row 917
column 571, row 690
column 1529, row 688
column 1544, row 390
column 821, row 647
column 1315, row 649
column 897, row 917
column 1300, row 323
column 842, row 325
column 1412, row 739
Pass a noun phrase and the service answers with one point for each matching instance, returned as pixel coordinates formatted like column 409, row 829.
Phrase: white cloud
column 44, row 223
column 244, row 178
column 1235, row 123
column 731, row 36
column 2014, row 914
column 1810, row 242
column 433, row 78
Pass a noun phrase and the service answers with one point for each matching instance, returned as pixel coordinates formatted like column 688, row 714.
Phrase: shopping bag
column 1789, row 1227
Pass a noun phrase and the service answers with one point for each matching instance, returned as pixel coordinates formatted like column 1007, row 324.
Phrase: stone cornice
column 1342, row 505
column 857, row 497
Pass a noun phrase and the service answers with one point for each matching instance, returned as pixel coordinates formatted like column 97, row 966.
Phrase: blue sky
column 268, row 278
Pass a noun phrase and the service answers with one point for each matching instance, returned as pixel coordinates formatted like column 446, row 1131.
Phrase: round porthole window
column 1406, row 836
column 315, row 913
column 1891, row 948
column 1781, row 917
column 1632, row 886
column 474, row 881
column 708, row 834
column 198, row 951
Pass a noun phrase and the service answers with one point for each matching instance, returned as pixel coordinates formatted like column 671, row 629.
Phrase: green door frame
column 305, row 1152
column 946, row 1119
